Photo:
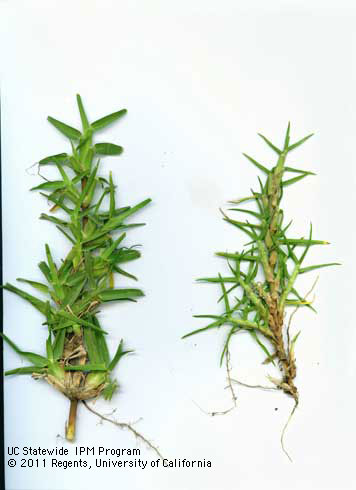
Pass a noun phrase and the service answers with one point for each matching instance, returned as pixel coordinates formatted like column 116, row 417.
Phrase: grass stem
column 70, row 429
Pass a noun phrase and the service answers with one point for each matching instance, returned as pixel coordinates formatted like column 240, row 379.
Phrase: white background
column 199, row 80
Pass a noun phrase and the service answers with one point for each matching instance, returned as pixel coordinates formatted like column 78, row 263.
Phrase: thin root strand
column 285, row 428
column 261, row 387
column 125, row 425
column 229, row 387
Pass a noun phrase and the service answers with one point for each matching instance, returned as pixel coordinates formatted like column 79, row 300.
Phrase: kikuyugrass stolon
column 77, row 360
column 262, row 283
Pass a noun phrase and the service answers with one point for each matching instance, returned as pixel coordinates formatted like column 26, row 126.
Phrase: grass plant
column 76, row 359
column 262, row 280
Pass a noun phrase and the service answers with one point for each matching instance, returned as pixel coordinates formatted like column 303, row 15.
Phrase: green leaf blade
column 108, row 149
column 68, row 131
column 118, row 355
column 119, row 294
column 106, row 120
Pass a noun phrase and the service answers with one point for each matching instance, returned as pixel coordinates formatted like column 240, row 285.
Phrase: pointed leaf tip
column 300, row 142
column 286, row 140
column 257, row 164
column 68, row 131
column 270, row 144
column 83, row 115
column 106, row 120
